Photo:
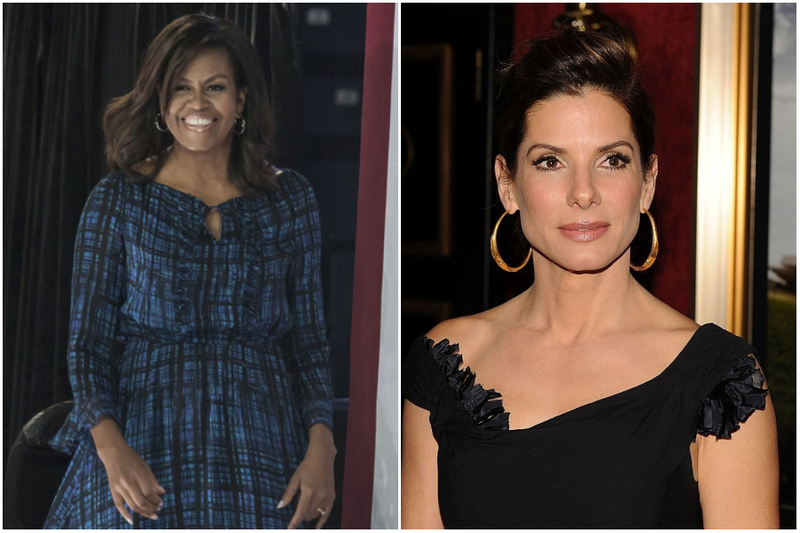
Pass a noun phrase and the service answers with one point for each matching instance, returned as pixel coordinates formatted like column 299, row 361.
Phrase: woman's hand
column 129, row 478
column 314, row 479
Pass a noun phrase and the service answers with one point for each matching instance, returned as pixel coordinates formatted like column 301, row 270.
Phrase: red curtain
column 368, row 275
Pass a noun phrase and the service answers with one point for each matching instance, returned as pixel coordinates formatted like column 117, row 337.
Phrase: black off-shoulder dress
column 619, row 462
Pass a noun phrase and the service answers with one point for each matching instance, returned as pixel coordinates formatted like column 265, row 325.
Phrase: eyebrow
column 557, row 150
column 548, row 147
column 209, row 80
column 611, row 146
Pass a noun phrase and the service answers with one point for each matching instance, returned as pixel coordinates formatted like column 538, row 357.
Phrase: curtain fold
column 368, row 276
column 47, row 170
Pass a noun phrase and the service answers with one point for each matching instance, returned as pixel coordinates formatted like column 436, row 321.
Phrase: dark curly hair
column 569, row 63
column 131, row 136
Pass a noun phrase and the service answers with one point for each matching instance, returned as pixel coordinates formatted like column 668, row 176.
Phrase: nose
column 198, row 99
column 583, row 191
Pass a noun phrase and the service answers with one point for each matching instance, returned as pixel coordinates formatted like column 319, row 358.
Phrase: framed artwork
column 426, row 148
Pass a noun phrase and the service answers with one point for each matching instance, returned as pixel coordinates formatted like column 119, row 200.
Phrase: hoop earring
column 158, row 126
column 238, row 121
column 496, row 254
column 653, row 247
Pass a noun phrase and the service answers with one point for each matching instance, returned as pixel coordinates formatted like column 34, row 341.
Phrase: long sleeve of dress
column 97, row 294
column 308, row 337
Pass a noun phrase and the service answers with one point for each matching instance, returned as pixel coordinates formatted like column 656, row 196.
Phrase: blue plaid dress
column 211, row 355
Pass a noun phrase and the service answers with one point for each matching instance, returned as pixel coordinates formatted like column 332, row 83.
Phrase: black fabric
column 49, row 55
column 620, row 462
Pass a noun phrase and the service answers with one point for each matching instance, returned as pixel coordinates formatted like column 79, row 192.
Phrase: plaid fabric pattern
column 211, row 355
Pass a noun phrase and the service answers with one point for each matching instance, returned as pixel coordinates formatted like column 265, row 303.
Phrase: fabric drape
column 50, row 162
column 368, row 275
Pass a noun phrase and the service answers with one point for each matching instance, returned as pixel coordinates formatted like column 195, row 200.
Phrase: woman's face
column 579, row 184
column 204, row 103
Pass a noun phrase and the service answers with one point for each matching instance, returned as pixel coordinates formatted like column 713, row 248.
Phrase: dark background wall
column 62, row 64
column 447, row 181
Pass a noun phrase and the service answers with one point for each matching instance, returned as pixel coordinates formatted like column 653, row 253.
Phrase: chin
column 589, row 269
column 591, row 265
column 201, row 147
column 585, row 263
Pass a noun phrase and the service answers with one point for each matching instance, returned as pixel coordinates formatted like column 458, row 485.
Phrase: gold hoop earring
column 653, row 247
column 496, row 254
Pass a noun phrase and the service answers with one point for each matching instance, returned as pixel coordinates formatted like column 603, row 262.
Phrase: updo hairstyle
column 570, row 63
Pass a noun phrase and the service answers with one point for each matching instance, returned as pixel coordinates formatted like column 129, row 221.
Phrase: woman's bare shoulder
column 457, row 329
column 472, row 333
column 672, row 329
column 661, row 316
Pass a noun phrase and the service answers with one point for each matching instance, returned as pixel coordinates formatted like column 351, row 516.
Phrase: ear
column 649, row 189
column 505, row 184
column 242, row 98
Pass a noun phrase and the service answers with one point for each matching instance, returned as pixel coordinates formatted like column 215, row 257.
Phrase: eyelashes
column 549, row 161
column 622, row 161
column 213, row 88
column 612, row 161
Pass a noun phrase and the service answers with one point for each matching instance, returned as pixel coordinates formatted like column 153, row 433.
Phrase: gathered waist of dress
column 259, row 342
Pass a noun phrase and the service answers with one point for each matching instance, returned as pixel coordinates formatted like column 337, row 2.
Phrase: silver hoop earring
column 239, row 122
column 158, row 126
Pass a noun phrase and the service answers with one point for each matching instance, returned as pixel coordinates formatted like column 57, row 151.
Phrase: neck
column 576, row 306
column 207, row 167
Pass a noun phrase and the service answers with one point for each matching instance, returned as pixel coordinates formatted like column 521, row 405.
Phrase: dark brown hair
column 131, row 136
column 569, row 63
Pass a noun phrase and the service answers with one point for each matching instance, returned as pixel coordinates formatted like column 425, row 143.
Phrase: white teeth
column 194, row 121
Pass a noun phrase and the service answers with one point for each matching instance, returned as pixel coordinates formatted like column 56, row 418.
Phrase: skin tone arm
column 738, row 477
column 314, row 479
column 129, row 478
column 419, row 486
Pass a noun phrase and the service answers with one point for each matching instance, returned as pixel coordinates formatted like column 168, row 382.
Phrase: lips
column 584, row 231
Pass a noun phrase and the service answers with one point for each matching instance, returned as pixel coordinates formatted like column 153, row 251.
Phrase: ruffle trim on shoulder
column 732, row 400
column 484, row 406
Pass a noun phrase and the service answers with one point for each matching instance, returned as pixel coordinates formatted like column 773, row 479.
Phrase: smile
column 198, row 121
column 198, row 124
column 584, row 231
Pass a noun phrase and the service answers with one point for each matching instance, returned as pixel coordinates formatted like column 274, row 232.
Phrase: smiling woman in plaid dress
column 198, row 355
